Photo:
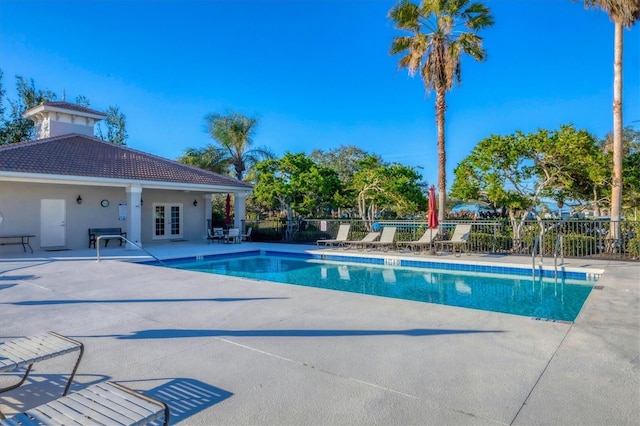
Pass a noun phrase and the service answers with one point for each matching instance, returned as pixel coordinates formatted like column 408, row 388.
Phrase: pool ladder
column 538, row 247
column 128, row 241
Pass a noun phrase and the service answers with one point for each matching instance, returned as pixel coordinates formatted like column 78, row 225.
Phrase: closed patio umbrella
column 432, row 218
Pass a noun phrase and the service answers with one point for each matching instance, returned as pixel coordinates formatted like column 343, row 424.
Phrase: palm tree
column 624, row 13
column 208, row 158
column 434, row 47
column 234, row 132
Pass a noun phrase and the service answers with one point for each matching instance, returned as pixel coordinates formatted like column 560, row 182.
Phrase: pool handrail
column 559, row 243
column 126, row 240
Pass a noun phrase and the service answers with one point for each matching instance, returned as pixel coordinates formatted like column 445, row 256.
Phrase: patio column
column 239, row 210
column 207, row 212
column 134, row 215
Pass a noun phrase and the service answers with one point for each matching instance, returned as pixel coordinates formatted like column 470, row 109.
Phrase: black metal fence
column 580, row 237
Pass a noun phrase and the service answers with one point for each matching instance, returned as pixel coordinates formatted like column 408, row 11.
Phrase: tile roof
column 85, row 156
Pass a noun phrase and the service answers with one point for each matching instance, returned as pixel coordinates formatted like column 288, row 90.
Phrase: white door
column 53, row 228
column 167, row 221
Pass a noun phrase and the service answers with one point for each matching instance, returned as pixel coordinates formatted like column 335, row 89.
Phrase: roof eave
column 39, row 108
column 84, row 180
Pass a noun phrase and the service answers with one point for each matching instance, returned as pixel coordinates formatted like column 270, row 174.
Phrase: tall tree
column 15, row 128
column 624, row 13
column 209, row 158
column 2, row 94
column 346, row 161
column 234, row 132
column 82, row 101
column 379, row 186
column 116, row 124
column 518, row 171
column 295, row 183
column 434, row 47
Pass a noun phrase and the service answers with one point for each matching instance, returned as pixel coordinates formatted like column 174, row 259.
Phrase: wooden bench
column 94, row 233
column 106, row 403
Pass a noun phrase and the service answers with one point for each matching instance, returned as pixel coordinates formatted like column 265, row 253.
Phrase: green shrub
column 310, row 236
column 266, row 234
column 579, row 245
column 634, row 246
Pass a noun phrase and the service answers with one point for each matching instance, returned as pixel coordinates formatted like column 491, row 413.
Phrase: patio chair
column 386, row 240
column 341, row 237
column 458, row 239
column 26, row 351
column 232, row 236
column 246, row 236
column 360, row 244
column 216, row 235
column 106, row 403
column 426, row 240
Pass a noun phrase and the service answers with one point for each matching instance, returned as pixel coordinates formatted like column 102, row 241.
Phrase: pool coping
column 398, row 259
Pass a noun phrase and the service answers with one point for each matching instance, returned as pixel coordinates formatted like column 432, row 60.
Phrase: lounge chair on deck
column 106, row 403
column 458, row 239
column 426, row 240
column 386, row 240
column 341, row 237
column 26, row 351
column 370, row 237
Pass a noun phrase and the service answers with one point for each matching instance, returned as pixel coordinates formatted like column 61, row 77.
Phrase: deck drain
column 598, row 287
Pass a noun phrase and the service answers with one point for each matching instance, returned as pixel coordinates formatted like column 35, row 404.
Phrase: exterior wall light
column 195, row 203
column 79, row 199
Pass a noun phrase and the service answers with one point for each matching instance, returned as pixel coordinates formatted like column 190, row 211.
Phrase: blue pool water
column 548, row 298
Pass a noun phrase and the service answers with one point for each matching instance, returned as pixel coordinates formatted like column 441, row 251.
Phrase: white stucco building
column 66, row 181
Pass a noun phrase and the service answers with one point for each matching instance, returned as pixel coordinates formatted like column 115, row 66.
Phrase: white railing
column 126, row 240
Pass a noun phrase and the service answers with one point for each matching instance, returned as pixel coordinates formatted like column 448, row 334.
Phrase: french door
column 167, row 221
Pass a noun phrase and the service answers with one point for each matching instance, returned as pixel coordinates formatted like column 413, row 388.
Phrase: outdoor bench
column 94, row 233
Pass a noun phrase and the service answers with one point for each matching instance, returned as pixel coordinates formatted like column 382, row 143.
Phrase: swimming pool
column 543, row 297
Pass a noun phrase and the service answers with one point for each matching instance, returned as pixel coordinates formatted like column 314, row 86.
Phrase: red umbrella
column 227, row 210
column 432, row 219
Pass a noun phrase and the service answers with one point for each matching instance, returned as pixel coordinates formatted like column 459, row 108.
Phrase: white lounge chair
column 26, row 351
column 426, row 240
column 370, row 237
column 386, row 240
column 106, row 403
column 458, row 239
column 341, row 237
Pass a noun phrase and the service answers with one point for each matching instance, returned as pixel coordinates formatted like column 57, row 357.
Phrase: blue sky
column 317, row 74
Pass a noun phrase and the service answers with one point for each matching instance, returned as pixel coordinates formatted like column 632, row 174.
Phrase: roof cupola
column 61, row 118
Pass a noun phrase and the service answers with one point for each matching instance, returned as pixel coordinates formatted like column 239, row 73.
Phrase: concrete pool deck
column 225, row 350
